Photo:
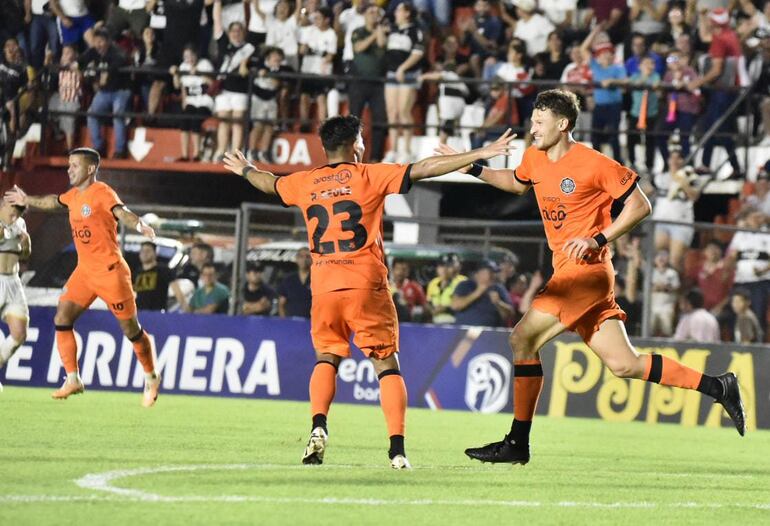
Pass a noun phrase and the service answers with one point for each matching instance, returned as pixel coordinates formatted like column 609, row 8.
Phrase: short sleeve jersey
column 94, row 227
column 343, row 205
column 575, row 193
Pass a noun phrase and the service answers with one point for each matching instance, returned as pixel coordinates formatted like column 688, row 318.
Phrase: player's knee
column 19, row 335
column 624, row 369
column 521, row 345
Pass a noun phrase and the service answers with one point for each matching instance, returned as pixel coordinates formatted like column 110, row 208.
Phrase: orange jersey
column 94, row 227
column 343, row 205
column 575, row 193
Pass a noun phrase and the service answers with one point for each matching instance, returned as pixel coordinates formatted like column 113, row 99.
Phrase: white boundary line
column 103, row 483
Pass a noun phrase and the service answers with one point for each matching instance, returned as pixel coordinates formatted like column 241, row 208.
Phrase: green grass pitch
column 100, row 458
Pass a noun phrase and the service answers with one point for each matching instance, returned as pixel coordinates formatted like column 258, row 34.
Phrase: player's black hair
column 89, row 153
column 561, row 102
column 20, row 209
column 339, row 132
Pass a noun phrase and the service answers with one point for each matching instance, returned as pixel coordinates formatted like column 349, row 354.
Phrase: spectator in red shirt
column 714, row 277
column 726, row 70
column 407, row 292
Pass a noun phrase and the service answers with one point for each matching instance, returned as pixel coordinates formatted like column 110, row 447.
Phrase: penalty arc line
column 103, row 483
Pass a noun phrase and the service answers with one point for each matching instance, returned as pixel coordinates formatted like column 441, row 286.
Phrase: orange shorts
column 113, row 285
column 582, row 296
column 370, row 314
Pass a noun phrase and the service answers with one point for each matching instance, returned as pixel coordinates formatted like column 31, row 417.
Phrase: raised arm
column 132, row 221
column 17, row 196
column 443, row 164
column 504, row 179
column 260, row 179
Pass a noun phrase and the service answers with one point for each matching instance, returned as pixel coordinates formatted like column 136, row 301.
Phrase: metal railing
column 235, row 231
column 743, row 96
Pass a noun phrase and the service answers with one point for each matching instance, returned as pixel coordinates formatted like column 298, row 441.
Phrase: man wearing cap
column 441, row 288
column 609, row 102
column 726, row 70
column 102, row 64
column 482, row 301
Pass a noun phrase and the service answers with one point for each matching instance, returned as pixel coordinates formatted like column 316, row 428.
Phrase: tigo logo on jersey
column 555, row 215
column 486, row 384
column 85, row 210
column 567, row 185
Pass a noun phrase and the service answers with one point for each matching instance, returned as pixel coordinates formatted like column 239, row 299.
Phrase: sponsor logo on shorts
column 556, row 215
column 486, row 383
column 82, row 234
column 85, row 210
column 567, row 185
column 342, row 177
column 331, row 193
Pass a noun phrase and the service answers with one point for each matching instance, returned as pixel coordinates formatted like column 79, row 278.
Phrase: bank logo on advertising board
column 486, row 383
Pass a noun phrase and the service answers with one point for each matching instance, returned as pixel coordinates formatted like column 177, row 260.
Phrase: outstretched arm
column 503, row 179
column 443, row 164
column 17, row 196
column 260, row 179
column 635, row 208
column 132, row 221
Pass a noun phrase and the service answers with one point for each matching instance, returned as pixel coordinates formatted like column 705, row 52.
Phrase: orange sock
column 665, row 371
column 393, row 401
column 68, row 348
column 143, row 351
column 323, row 385
column 527, row 384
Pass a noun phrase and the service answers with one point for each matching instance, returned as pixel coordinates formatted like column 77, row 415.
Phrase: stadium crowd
column 195, row 58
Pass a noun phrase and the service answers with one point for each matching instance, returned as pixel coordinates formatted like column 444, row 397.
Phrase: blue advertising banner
column 464, row 368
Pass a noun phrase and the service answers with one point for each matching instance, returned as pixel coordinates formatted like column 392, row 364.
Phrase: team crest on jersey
column 567, row 185
column 85, row 211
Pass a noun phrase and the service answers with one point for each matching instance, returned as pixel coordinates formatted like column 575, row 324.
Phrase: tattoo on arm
column 44, row 202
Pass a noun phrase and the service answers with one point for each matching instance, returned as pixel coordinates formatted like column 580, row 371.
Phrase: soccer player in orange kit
column 343, row 203
column 94, row 211
column 575, row 187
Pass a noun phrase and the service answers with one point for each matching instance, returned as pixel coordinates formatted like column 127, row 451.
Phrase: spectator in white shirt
column 231, row 103
column 531, row 27
column 561, row 13
column 282, row 32
column 696, row 323
column 750, row 253
column 193, row 77
column 348, row 21
column 259, row 20
column 318, row 47
column 665, row 288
